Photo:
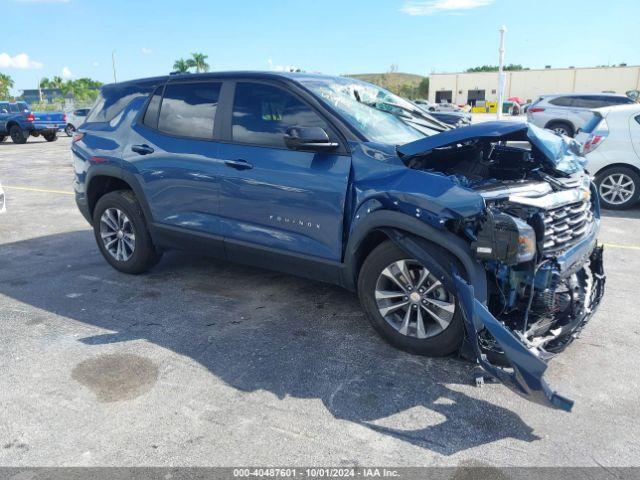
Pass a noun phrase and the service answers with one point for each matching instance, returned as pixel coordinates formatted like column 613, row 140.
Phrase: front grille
column 565, row 226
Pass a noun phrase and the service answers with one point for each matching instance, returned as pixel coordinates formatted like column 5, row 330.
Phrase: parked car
column 566, row 114
column 18, row 122
column 438, row 107
column 455, row 119
column 449, row 238
column 75, row 119
column 611, row 143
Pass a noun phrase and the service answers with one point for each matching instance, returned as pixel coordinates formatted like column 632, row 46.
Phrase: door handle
column 143, row 149
column 238, row 164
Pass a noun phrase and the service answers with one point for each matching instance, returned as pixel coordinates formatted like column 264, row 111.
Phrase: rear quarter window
column 113, row 99
column 561, row 101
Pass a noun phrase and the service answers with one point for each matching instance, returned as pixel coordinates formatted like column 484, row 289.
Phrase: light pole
column 113, row 63
column 501, row 76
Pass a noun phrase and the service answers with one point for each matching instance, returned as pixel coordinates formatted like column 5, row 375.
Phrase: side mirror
column 4, row 110
column 308, row 138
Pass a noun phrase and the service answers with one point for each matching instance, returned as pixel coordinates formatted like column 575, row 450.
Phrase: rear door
column 174, row 153
column 273, row 198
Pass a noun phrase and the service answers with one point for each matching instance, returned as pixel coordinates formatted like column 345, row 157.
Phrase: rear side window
column 189, row 109
column 263, row 113
column 153, row 109
column 561, row 101
column 113, row 99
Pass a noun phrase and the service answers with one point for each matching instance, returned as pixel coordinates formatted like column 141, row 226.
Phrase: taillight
column 535, row 110
column 76, row 137
column 596, row 138
column 31, row 118
column 64, row 117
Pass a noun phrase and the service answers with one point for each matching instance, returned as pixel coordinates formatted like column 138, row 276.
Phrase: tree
column 423, row 88
column 198, row 61
column 181, row 65
column 494, row 68
column 6, row 84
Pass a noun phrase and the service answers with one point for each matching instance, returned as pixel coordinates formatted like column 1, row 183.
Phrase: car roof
column 574, row 94
column 257, row 74
column 628, row 109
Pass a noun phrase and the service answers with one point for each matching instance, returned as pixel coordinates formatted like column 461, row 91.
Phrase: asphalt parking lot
column 202, row 362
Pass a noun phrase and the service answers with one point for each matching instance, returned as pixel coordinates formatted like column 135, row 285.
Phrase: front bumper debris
column 527, row 364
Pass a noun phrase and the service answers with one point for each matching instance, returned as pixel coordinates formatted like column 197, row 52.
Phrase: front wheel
column 618, row 188
column 69, row 129
column 50, row 136
column 407, row 305
column 121, row 233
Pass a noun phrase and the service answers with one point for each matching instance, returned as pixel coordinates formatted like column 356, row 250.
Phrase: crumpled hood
column 561, row 153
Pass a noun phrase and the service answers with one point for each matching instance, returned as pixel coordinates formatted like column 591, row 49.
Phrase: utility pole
column 501, row 77
column 113, row 63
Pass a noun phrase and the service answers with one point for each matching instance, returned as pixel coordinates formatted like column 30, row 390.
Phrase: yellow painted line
column 617, row 245
column 42, row 190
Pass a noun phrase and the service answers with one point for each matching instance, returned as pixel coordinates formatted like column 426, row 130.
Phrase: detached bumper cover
column 525, row 377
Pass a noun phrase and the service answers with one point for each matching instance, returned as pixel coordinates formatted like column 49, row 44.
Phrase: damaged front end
column 535, row 239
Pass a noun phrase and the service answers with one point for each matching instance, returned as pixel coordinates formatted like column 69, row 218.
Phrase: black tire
column 144, row 255
column 444, row 343
column 69, row 130
column 3, row 138
column 563, row 128
column 606, row 201
column 50, row 136
column 17, row 135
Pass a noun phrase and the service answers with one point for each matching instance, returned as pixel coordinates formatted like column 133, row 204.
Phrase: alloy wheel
column 413, row 301
column 617, row 188
column 117, row 233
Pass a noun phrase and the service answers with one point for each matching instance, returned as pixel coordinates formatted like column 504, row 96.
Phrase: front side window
column 263, row 113
column 189, row 109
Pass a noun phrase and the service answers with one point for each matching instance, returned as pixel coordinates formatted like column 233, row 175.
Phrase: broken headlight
column 505, row 238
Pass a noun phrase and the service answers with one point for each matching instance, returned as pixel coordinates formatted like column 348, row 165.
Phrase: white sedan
column 611, row 143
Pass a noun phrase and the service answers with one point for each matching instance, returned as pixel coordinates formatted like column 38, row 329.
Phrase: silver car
column 75, row 119
column 567, row 113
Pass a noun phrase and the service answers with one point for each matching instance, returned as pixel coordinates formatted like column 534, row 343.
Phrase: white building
column 467, row 88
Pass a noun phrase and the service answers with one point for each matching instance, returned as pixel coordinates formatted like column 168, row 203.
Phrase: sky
column 76, row 38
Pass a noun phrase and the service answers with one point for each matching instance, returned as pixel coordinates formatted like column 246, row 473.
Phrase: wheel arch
column 561, row 121
column 104, row 179
column 374, row 229
column 618, row 164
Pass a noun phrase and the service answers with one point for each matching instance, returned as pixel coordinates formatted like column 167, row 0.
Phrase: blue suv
column 479, row 240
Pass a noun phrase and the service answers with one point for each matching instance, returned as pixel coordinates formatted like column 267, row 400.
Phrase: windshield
column 375, row 125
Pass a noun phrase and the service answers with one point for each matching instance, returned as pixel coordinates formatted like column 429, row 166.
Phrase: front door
column 274, row 198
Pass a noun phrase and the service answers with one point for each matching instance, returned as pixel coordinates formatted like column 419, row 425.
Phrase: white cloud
column 66, row 73
column 21, row 61
column 145, row 50
column 431, row 7
column 96, row 64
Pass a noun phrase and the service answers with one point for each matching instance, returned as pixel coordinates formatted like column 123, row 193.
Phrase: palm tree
column 6, row 83
column 45, row 83
column 181, row 65
column 198, row 60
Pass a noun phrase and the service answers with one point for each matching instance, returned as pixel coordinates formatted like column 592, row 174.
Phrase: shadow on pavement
column 259, row 330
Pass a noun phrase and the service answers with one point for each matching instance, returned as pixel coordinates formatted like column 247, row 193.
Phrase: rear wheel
column 407, row 305
column 69, row 129
column 121, row 233
column 618, row 188
column 3, row 138
column 17, row 134
column 50, row 136
column 561, row 128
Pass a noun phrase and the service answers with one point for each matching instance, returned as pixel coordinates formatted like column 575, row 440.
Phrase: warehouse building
column 469, row 88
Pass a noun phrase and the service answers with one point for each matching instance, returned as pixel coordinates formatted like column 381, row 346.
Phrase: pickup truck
column 18, row 122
